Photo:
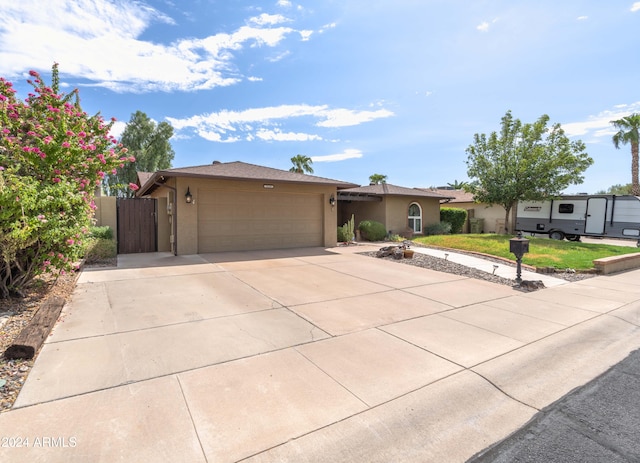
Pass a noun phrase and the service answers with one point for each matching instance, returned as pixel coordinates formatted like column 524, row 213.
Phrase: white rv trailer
column 574, row 216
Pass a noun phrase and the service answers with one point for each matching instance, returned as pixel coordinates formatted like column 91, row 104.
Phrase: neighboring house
column 492, row 215
column 239, row 206
column 403, row 211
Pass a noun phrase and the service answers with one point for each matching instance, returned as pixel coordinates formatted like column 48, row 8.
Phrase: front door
column 596, row 216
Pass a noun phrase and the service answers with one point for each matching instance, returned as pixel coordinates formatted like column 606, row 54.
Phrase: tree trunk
column 635, row 184
column 506, row 219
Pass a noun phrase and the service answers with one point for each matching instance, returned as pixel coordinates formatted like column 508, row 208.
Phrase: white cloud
column 279, row 56
column 348, row 117
column 283, row 3
column 305, row 35
column 278, row 135
column 99, row 40
column 599, row 126
column 635, row 7
column 268, row 19
column 347, row 154
column 254, row 79
column 582, row 18
column 117, row 128
column 483, row 27
column 258, row 121
column 326, row 27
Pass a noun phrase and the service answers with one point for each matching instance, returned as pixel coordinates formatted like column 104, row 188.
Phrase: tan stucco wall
column 392, row 211
column 187, row 214
column 361, row 210
column 106, row 213
column 163, row 225
column 397, row 208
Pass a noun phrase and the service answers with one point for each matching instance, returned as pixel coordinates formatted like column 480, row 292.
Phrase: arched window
column 415, row 217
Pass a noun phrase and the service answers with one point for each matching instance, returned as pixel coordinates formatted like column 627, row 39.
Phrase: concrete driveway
column 306, row 355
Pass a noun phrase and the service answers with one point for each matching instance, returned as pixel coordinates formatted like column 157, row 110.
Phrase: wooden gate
column 137, row 225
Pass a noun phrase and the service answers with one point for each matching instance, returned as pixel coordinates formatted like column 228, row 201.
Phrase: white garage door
column 242, row 220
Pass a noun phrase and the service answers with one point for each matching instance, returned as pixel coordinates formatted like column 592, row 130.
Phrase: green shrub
column 52, row 156
column 101, row 232
column 372, row 230
column 442, row 228
column 395, row 238
column 99, row 250
column 455, row 216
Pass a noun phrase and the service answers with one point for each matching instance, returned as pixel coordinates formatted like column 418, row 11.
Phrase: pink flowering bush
column 52, row 157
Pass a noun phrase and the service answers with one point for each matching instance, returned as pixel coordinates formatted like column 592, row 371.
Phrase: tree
column 377, row 179
column 617, row 190
column 523, row 162
column 456, row 185
column 149, row 143
column 52, row 156
column 629, row 132
column 301, row 164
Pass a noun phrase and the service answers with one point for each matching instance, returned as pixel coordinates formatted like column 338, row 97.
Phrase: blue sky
column 361, row 86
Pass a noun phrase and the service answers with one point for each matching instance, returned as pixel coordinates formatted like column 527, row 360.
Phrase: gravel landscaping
column 442, row 265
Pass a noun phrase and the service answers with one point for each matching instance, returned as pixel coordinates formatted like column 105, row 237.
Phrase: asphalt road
column 597, row 422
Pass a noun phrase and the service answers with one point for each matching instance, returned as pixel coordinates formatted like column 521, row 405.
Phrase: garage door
column 242, row 220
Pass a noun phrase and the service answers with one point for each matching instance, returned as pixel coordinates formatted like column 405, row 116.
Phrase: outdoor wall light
column 188, row 196
column 332, row 200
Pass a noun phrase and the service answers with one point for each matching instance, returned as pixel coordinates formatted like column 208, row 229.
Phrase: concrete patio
column 307, row 355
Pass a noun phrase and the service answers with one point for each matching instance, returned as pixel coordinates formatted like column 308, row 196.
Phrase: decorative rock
column 531, row 285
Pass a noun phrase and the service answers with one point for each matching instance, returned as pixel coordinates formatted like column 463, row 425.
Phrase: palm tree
column 301, row 164
column 629, row 132
column 376, row 179
column 456, row 185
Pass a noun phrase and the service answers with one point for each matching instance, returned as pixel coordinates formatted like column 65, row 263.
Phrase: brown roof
column 238, row 171
column 457, row 196
column 386, row 189
column 143, row 177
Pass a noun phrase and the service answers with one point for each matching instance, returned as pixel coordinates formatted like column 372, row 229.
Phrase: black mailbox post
column 519, row 246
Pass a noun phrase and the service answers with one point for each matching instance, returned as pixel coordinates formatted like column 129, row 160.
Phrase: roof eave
column 151, row 184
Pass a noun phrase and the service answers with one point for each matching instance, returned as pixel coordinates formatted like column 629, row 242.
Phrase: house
column 492, row 216
column 403, row 211
column 240, row 206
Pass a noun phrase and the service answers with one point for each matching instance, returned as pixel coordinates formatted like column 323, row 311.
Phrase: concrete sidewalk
column 501, row 269
column 307, row 355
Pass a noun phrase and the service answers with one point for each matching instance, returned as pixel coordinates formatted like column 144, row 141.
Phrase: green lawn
column 543, row 252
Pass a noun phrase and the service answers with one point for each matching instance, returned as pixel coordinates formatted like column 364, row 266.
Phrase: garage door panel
column 250, row 220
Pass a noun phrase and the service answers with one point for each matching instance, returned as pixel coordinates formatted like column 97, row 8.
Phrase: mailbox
column 519, row 246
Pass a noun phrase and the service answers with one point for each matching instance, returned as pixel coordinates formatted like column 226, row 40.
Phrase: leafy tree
column 377, row 179
column 52, row 156
column 301, row 164
column 149, row 143
column 616, row 190
column 629, row 132
column 523, row 162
